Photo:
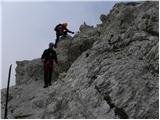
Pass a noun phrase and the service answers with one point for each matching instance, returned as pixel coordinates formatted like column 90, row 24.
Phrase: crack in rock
column 118, row 111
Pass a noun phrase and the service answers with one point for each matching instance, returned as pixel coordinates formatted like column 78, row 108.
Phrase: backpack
column 57, row 27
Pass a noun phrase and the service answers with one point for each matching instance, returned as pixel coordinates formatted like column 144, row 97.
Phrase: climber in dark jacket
column 49, row 58
column 61, row 30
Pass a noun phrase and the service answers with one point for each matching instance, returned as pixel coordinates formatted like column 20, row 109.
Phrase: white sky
column 28, row 27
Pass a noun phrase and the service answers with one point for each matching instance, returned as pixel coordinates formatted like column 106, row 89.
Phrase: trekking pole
column 9, row 74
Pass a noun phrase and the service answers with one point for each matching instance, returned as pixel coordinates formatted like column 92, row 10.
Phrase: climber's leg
column 45, row 79
column 57, row 39
column 49, row 77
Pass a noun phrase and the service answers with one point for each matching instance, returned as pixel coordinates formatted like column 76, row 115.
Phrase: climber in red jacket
column 61, row 30
column 49, row 58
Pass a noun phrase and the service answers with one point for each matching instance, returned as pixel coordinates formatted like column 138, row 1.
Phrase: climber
column 61, row 30
column 49, row 58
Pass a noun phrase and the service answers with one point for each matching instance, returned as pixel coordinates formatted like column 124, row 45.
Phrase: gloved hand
column 72, row 32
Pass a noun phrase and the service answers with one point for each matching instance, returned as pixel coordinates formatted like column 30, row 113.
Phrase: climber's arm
column 43, row 56
column 55, row 58
column 69, row 31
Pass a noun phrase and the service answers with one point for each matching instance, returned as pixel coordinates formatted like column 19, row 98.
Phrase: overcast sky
column 28, row 27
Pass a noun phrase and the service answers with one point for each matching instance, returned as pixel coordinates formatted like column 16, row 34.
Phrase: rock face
column 108, row 71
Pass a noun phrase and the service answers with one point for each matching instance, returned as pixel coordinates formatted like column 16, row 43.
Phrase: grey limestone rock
column 108, row 71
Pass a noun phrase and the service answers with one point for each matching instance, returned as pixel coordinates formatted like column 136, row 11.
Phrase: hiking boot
column 45, row 86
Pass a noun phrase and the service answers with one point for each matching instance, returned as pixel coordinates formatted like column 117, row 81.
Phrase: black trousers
column 47, row 77
column 58, row 36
